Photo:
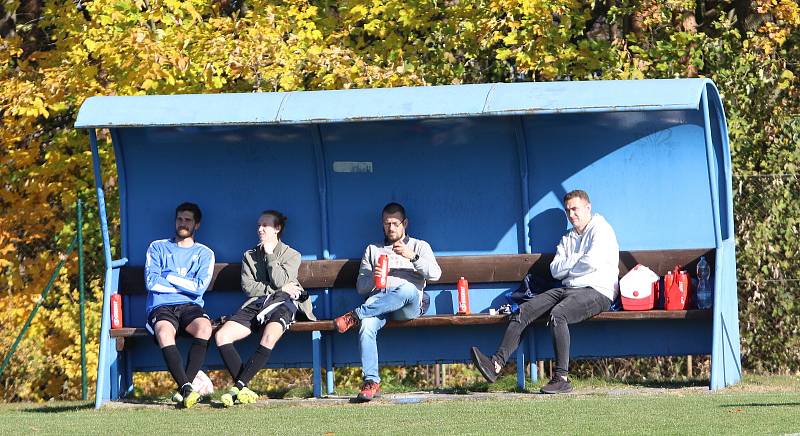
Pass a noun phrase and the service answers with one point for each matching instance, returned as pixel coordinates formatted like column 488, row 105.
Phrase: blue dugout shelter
column 481, row 169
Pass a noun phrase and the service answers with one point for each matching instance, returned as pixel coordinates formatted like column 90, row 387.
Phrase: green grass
column 760, row 405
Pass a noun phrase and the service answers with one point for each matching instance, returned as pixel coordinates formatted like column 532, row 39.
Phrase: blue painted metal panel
column 391, row 103
column 429, row 345
column 384, row 103
column 636, row 338
column 594, row 96
column 643, row 172
column 171, row 110
column 217, row 304
column 444, row 299
column 232, row 174
column 458, row 179
column 293, row 351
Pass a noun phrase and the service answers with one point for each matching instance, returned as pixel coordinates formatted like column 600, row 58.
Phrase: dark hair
column 576, row 194
column 280, row 219
column 394, row 208
column 191, row 207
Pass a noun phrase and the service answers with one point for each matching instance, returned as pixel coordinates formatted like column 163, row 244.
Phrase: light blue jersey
column 177, row 275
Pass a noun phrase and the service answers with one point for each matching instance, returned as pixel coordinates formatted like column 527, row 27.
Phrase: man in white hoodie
column 587, row 263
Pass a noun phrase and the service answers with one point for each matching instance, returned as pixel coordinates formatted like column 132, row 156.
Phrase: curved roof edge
column 374, row 104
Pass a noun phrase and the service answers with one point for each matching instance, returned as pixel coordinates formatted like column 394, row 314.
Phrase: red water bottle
column 383, row 267
column 463, row 296
column 116, row 311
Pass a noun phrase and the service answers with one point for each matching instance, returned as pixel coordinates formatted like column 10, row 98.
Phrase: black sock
column 255, row 363
column 175, row 364
column 197, row 355
column 232, row 359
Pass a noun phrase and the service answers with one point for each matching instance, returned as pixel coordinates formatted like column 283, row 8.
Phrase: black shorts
column 246, row 316
column 179, row 315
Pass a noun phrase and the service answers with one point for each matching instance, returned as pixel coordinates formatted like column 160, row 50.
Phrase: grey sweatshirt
column 400, row 269
column 590, row 259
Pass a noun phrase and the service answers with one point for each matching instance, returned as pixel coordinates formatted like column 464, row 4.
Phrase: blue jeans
column 400, row 303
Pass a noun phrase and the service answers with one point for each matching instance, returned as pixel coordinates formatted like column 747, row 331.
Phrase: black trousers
column 566, row 306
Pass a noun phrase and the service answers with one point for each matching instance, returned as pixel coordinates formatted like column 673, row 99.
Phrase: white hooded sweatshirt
column 589, row 260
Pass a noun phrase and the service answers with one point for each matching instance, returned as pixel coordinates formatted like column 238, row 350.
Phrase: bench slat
column 341, row 273
column 462, row 320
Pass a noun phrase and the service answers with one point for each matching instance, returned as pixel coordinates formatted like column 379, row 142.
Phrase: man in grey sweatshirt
column 411, row 265
column 587, row 263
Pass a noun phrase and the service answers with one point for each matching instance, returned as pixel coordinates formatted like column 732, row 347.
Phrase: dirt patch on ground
column 421, row 397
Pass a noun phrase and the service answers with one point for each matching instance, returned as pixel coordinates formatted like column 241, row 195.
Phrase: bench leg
column 329, row 363
column 316, row 362
column 521, row 365
column 127, row 376
column 534, row 375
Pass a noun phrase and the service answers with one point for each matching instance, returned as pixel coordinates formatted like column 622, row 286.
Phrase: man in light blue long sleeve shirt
column 177, row 273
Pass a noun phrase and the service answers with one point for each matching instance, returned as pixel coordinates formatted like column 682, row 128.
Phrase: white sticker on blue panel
column 352, row 167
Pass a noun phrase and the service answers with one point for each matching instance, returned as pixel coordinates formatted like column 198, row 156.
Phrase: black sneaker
column 557, row 385
column 484, row 364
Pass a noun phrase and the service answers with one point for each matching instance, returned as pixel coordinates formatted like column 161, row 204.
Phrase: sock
column 197, row 355
column 232, row 359
column 175, row 364
column 255, row 363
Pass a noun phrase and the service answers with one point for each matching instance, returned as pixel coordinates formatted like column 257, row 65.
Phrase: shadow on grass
column 506, row 383
column 664, row 384
column 793, row 404
column 60, row 408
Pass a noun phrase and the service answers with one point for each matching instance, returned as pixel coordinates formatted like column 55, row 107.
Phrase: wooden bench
column 490, row 277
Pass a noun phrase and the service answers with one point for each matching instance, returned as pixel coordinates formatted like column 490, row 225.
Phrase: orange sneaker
column 369, row 390
column 344, row 322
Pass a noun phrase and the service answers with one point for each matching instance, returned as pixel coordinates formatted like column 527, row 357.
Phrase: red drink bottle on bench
column 383, row 267
column 116, row 311
column 463, row 296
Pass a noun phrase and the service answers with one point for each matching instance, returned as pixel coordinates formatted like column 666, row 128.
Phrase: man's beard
column 393, row 239
column 184, row 233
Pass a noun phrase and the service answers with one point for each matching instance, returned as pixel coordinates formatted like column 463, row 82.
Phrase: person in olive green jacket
column 269, row 277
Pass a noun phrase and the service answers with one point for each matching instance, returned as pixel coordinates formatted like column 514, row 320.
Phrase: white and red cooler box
column 639, row 288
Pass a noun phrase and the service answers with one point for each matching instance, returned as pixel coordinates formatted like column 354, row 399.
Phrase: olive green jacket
column 265, row 274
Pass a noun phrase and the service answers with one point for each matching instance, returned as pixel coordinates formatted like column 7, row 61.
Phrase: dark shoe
column 557, row 385
column 344, row 322
column 484, row 364
column 369, row 390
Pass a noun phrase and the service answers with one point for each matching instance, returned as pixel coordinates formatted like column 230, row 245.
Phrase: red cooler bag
column 677, row 295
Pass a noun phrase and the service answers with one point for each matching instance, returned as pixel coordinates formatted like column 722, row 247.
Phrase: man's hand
column 293, row 289
column 402, row 249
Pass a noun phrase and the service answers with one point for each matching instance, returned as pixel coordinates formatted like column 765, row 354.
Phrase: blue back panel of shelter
column 232, row 173
column 645, row 172
column 467, row 203
column 457, row 178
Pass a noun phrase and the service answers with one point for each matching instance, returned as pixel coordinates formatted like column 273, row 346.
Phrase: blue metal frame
column 725, row 356
column 107, row 369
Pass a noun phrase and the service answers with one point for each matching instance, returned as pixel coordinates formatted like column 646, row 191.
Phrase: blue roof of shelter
column 373, row 104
